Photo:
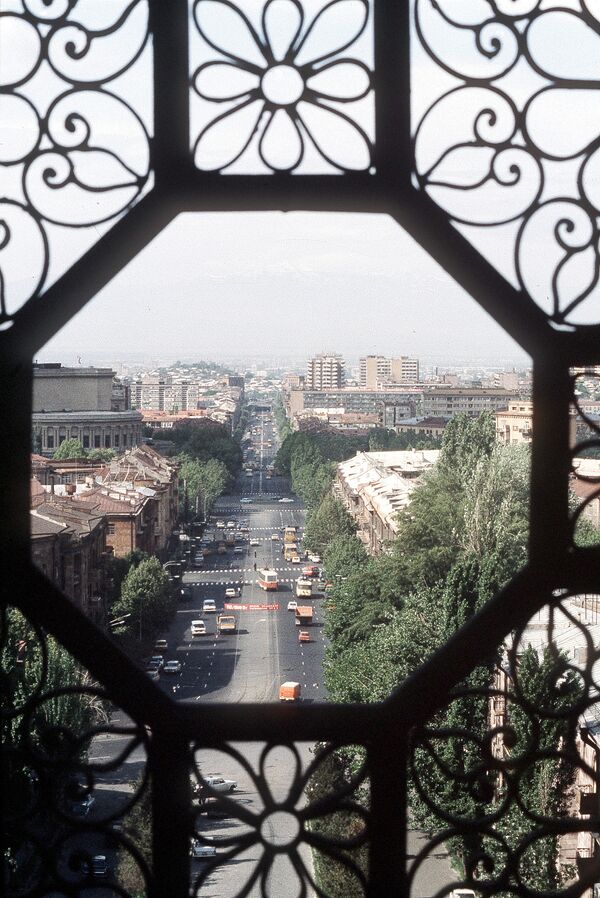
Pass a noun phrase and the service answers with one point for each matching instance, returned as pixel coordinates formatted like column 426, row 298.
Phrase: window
column 86, row 441
column 96, row 441
column 413, row 170
column 110, row 529
column 107, row 441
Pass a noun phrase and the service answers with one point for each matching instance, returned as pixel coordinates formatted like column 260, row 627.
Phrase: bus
column 289, row 551
column 303, row 587
column 268, row 580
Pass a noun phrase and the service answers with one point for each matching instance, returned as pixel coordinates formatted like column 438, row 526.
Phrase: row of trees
column 203, row 483
column 203, row 443
column 73, row 448
column 463, row 536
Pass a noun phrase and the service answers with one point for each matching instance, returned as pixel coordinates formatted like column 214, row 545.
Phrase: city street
column 249, row 665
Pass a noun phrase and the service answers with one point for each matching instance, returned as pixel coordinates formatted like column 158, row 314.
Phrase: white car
column 275, row 537
column 220, row 784
column 295, row 559
column 245, row 501
column 172, row 667
column 285, row 499
column 232, row 524
column 231, row 592
column 255, row 542
column 220, row 524
column 198, row 628
column 209, row 606
column 315, row 558
column 292, row 605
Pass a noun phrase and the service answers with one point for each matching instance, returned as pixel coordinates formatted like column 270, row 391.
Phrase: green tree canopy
column 70, row 449
column 147, row 598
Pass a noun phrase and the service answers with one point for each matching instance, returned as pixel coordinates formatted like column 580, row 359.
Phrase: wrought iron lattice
column 404, row 171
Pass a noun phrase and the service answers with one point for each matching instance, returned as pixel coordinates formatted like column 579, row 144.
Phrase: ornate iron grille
column 400, row 168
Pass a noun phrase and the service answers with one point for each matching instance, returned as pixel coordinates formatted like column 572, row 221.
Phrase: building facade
column 375, row 486
column 78, row 403
column 444, row 402
column 325, row 372
column 378, row 369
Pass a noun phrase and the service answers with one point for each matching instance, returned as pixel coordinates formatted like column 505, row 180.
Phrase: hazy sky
column 219, row 285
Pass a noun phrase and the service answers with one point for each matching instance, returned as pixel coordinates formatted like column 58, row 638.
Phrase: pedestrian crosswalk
column 247, row 570
column 234, row 582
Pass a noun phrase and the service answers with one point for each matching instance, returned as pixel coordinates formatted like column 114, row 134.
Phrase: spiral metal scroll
column 57, row 812
column 272, row 827
column 511, row 140
column 585, row 472
column 75, row 154
column 499, row 774
column 287, row 96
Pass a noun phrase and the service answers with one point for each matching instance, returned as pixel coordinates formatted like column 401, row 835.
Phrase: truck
column 289, row 535
column 289, row 551
column 226, row 623
column 268, row 579
column 304, row 615
column 289, row 692
column 303, row 587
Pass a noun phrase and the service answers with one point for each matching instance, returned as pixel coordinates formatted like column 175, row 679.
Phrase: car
column 220, row 524
column 295, row 559
column 275, row 537
column 244, row 528
column 198, row 628
column 245, row 501
column 153, row 674
column 255, row 542
column 232, row 524
column 238, row 550
column 172, row 667
column 155, row 662
column 213, row 808
column 286, row 499
column 160, row 645
column 209, row 606
column 99, row 866
column 321, row 584
column 186, row 592
column 231, row 592
column 83, row 807
column 219, row 783
column 303, row 636
column 292, row 605
column 199, row 851
column 315, row 558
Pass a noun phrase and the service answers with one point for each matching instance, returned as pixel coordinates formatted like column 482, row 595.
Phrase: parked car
column 172, row 667
column 199, row 851
column 209, row 607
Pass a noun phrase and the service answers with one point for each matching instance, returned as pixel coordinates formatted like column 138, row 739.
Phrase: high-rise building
column 378, row 369
column 325, row 372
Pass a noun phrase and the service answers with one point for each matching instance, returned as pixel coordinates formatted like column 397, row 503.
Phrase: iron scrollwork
column 514, row 145
column 287, row 95
column 76, row 155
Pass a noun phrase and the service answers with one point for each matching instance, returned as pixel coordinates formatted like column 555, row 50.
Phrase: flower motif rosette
column 273, row 834
column 286, row 89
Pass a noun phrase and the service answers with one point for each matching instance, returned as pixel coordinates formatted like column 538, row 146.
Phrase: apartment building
column 375, row 486
column 445, row 402
column 514, row 425
column 158, row 393
column 325, row 372
column 350, row 400
column 378, row 369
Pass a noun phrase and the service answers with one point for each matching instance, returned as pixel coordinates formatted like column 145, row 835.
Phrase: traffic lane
column 278, row 766
column 302, row 662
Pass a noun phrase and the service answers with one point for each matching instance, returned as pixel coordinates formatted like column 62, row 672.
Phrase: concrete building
column 78, row 403
column 375, row 486
column 165, row 394
column 423, row 427
column 445, row 402
column 515, row 424
column 325, row 372
column 352, row 400
column 377, row 369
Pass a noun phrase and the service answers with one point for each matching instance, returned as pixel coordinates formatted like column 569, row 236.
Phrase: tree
column 327, row 522
column 204, row 481
column 102, row 455
column 70, row 449
column 147, row 598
